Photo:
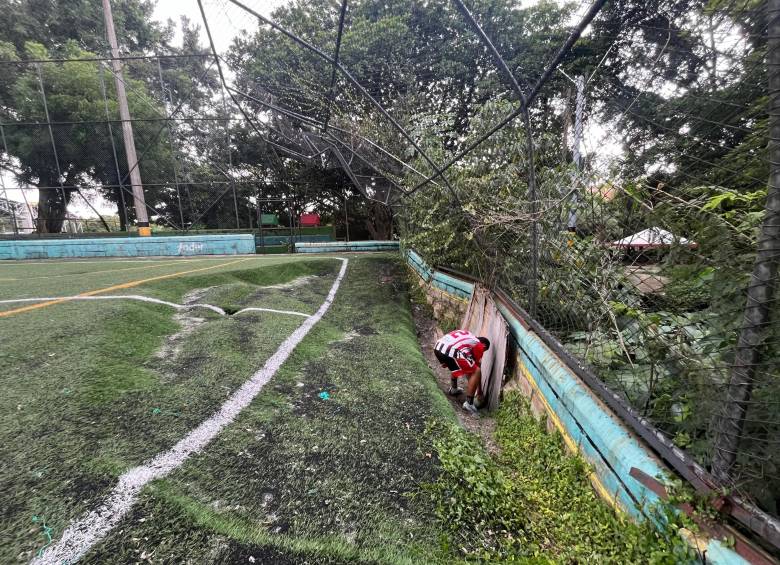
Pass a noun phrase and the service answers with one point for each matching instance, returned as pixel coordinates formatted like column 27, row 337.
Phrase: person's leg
column 452, row 365
column 473, row 386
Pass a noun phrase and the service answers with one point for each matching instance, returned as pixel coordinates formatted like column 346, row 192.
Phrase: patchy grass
column 296, row 479
column 24, row 279
column 300, row 476
column 85, row 397
column 301, row 479
column 532, row 502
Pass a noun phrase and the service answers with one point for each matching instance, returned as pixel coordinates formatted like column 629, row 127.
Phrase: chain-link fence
column 629, row 213
column 64, row 169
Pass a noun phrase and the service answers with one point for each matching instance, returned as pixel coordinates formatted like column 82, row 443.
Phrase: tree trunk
column 121, row 208
column 52, row 208
column 379, row 221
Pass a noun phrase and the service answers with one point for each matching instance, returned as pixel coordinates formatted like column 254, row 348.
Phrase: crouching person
column 461, row 352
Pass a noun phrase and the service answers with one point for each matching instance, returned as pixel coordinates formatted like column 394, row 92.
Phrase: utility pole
column 577, row 152
column 142, row 219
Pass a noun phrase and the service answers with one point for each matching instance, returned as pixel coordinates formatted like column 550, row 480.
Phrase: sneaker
column 455, row 391
column 470, row 408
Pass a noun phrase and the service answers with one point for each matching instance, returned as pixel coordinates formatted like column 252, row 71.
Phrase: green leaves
column 532, row 501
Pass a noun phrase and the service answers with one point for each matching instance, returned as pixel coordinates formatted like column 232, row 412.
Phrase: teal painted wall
column 128, row 246
column 344, row 246
column 285, row 239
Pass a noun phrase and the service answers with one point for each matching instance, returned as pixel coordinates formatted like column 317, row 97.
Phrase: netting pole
column 260, row 217
column 230, row 156
column 141, row 216
column 760, row 293
column 290, row 219
column 576, row 152
column 170, row 143
column 123, row 211
column 346, row 215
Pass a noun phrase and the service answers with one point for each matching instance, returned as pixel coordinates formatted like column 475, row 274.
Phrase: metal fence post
column 577, row 152
column 346, row 216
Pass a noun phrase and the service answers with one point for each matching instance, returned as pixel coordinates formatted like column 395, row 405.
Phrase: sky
column 225, row 19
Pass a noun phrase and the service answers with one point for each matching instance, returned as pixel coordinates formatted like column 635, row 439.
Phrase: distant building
column 16, row 217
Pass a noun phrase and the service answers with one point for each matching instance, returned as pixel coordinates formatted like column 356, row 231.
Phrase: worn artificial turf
column 295, row 479
column 24, row 279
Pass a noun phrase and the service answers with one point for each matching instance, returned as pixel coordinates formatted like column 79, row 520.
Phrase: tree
column 76, row 152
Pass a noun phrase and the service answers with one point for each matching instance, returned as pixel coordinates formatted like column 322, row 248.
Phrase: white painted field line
column 141, row 298
column 85, row 532
column 253, row 309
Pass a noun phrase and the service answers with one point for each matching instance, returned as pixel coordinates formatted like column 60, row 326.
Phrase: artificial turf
column 295, row 479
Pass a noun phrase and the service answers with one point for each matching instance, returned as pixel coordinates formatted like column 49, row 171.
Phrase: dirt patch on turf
column 428, row 332
column 188, row 323
column 295, row 283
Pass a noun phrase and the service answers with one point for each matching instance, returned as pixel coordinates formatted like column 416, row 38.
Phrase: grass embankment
column 533, row 502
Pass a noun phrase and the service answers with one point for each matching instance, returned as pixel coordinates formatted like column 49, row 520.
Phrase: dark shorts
column 447, row 361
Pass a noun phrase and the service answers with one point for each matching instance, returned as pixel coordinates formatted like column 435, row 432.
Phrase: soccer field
column 222, row 409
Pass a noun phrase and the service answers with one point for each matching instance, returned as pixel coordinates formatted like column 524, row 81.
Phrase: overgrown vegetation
column 532, row 502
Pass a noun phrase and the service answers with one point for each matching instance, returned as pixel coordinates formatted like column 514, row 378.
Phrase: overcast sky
column 225, row 19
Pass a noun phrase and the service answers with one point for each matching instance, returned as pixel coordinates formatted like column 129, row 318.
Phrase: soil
column 189, row 323
column 428, row 332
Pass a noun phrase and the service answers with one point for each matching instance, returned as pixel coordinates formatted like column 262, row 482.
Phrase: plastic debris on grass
column 158, row 411
column 324, row 395
column 46, row 532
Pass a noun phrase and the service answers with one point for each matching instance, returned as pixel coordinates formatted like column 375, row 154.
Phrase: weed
column 533, row 501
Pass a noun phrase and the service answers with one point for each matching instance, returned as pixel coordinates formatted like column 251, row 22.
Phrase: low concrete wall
column 346, row 246
column 587, row 425
column 448, row 296
column 128, row 246
column 285, row 239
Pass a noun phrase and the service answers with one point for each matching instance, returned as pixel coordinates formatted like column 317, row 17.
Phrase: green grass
column 320, row 480
column 19, row 279
column 296, row 478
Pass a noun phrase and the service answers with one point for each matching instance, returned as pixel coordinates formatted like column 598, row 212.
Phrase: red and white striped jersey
column 465, row 348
